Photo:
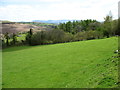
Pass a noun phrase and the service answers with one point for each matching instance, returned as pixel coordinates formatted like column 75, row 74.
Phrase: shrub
column 68, row 37
column 50, row 37
column 7, row 37
column 57, row 36
column 88, row 35
column 38, row 38
column 80, row 36
column 14, row 38
column 3, row 44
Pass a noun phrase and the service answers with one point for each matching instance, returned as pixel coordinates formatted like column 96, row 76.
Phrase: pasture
column 84, row 64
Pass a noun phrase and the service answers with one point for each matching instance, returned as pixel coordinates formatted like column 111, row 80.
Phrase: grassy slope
column 84, row 64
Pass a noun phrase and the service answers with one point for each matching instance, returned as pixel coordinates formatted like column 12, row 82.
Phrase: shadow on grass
column 15, row 48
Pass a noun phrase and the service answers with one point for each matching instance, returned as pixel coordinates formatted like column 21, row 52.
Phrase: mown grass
column 84, row 64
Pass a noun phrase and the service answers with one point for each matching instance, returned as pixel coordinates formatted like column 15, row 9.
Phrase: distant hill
column 53, row 21
column 17, row 27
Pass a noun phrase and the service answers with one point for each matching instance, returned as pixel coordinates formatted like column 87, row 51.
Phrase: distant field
column 19, row 38
column 84, row 64
column 22, row 37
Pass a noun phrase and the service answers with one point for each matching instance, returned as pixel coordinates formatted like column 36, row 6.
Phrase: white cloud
column 29, row 1
column 87, row 9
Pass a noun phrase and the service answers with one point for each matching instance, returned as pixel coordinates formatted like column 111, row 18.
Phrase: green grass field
column 22, row 37
column 84, row 64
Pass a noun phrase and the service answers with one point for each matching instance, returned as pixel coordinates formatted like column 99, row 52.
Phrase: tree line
column 108, row 27
column 68, row 32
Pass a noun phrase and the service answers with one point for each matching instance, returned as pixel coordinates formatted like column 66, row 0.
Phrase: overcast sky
column 28, row 10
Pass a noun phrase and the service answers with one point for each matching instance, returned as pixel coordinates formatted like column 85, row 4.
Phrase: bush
column 68, row 37
column 3, row 44
column 88, row 35
column 50, row 37
column 38, row 38
column 80, row 36
column 57, row 36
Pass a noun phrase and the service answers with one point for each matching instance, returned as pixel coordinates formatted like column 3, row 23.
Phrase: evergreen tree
column 29, row 36
column 108, row 26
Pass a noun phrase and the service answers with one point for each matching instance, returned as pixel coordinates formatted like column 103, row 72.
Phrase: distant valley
column 53, row 21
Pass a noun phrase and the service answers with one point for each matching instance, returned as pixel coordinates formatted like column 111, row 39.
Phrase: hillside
column 15, row 27
column 84, row 64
